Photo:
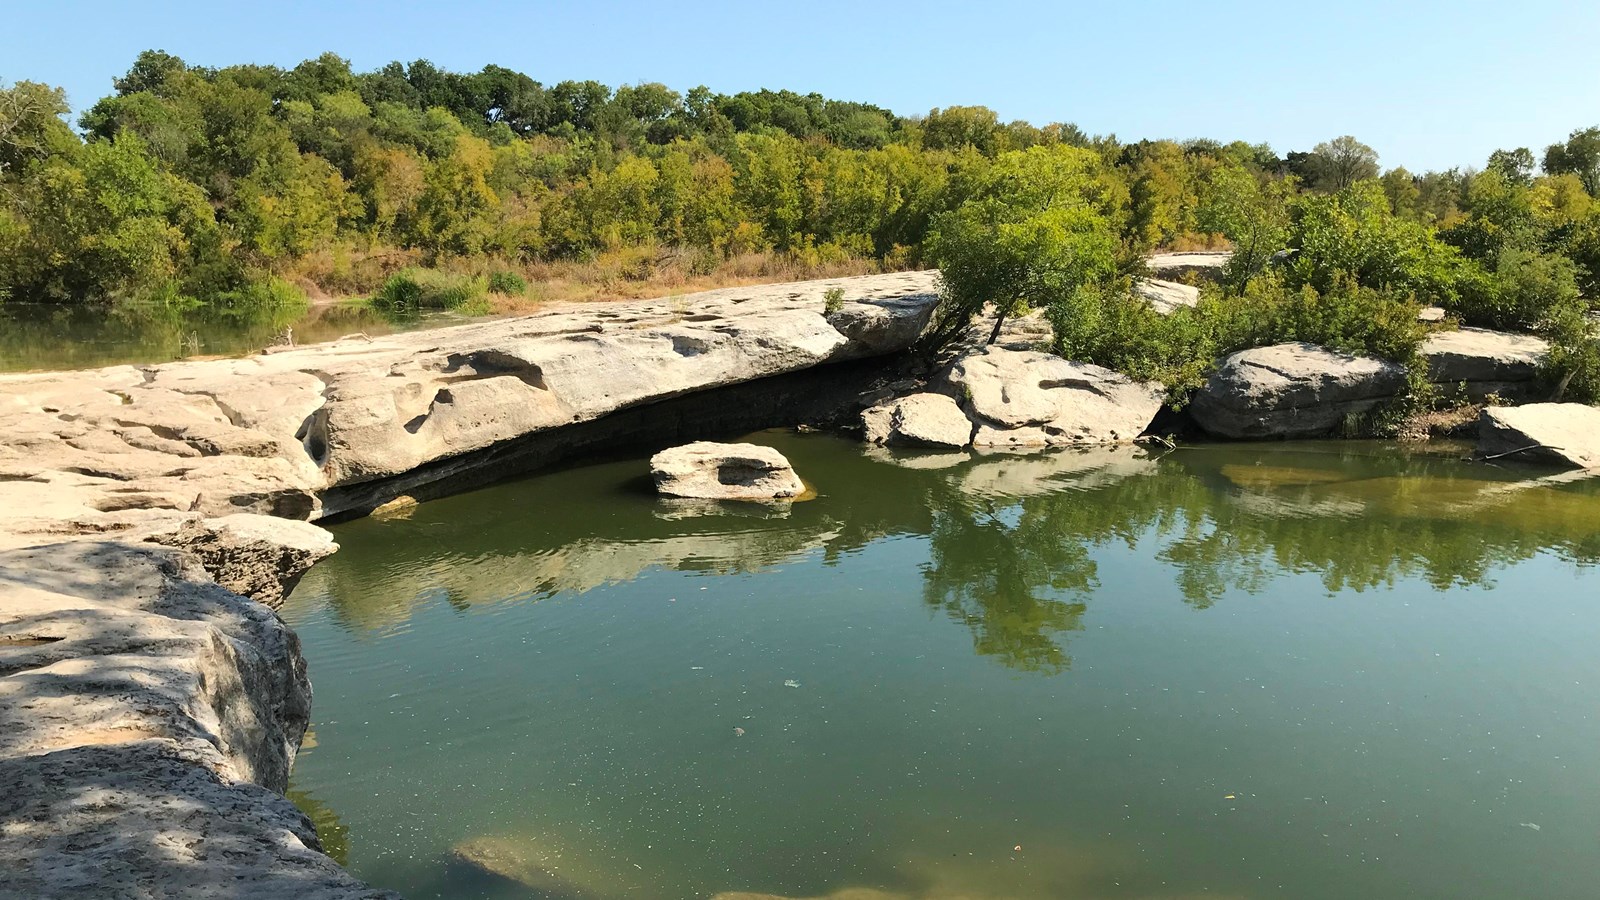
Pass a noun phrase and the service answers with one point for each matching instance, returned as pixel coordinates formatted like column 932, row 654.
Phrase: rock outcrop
column 1292, row 390
column 1166, row 297
column 149, row 711
column 1205, row 264
column 147, row 716
column 1485, row 362
column 1564, row 434
column 290, row 433
column 1026, row 398
column 922, row 419
column 706, row 470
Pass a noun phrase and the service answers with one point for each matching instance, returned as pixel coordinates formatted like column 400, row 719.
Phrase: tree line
column 221, row 185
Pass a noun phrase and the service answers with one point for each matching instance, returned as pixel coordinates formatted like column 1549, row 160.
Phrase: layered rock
column 148, row 711
column 707, row 470
column 1483, row 362
column 1026, row 398
column 1206, row 264
column 282, row 433
column 147, row 716
column 1292, row 390
column 1564, row 434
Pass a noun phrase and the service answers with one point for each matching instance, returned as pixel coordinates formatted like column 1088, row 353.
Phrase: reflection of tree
column 988, row 574
column 1011, row 539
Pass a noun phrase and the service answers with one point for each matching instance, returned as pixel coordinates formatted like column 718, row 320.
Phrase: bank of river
column 54, row 337
column 1315, row 670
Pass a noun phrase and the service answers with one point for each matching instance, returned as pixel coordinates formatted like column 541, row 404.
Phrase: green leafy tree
column 1341, row 162
column 1578, row 155
column 1253, row 213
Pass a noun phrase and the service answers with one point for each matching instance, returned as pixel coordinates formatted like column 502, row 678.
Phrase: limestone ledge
column 277, row 433
column 150, row 708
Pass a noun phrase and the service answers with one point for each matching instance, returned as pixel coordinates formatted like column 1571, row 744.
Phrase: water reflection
column 75, row 336
column 1010, row 539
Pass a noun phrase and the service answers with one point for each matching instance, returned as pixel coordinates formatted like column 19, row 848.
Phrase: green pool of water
column 1287, row 671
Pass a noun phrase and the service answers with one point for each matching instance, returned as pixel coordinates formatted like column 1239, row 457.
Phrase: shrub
column 1525, row 290
column 1113, row 328
column 508, row 283
column 832, row 300
column 420, row 289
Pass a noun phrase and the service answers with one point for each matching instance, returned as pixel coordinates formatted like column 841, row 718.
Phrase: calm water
column 1288, row 671
column 68, row 336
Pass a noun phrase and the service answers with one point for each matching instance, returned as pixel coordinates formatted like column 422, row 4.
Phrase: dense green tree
column 1578, row 155
column 1341, row 162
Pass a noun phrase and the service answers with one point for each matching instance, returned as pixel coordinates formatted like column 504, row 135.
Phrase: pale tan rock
column 1027, row 398
column 1166, row 297
column 1292, row 390
column 1484, row 362
column 713, row 471
column 918, row 420
column 1565, row 434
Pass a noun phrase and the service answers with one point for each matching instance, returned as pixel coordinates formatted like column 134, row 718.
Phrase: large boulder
column 1566, row 434
column 1026, row 398
column 712, row 471
column 1292, row 390
column 1485, row 362
column 918, row 420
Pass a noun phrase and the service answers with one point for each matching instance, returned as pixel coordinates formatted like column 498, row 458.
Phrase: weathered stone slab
column 1484, row 362
column 1564, row 434
column 710, row 471
column 1166, row 297
column 923, row 419
column 1027, row 398
column 1292, row 390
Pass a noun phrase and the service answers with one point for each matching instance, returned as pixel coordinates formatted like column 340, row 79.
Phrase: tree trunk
column 999, row 320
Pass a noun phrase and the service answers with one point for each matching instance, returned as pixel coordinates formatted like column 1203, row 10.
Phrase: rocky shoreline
column 151, row 517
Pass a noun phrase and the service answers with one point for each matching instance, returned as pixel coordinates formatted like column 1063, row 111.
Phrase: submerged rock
column 918, row 420
column 1566, row 434
column 1484, row 362
column 518, row 860
column 712, row 471
column 1027, row 398
column 1292, row 390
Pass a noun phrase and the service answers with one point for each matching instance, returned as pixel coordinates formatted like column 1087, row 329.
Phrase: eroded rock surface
column 1027, row 398
column 1564, row 434
column 277, row 432
column 923, row 419
column 147, row 716
column 707, row 470
column 1485, row 362
column 1292, row 390
column 149, row 710
column 1166, row 297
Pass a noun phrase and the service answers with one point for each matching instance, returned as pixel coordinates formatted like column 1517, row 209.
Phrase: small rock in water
column 790, row 682
column 738, row 732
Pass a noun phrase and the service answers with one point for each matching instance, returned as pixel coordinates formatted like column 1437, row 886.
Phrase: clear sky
column 1428, row 83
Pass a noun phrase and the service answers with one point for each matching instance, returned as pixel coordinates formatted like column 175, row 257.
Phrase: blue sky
column 1428, row 84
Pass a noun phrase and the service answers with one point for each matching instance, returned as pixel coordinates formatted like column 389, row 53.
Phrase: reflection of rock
column 918, row 420
column 1292, row 390
column 912, row 459
column 1015, row 475
column 1486, row 362
column 674, row 508
column 1566, row 434
column 711, row 471
column 1025, row 398
column 842, row 894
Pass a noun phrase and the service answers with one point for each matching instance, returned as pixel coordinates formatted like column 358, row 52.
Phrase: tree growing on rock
column 1034, row 227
